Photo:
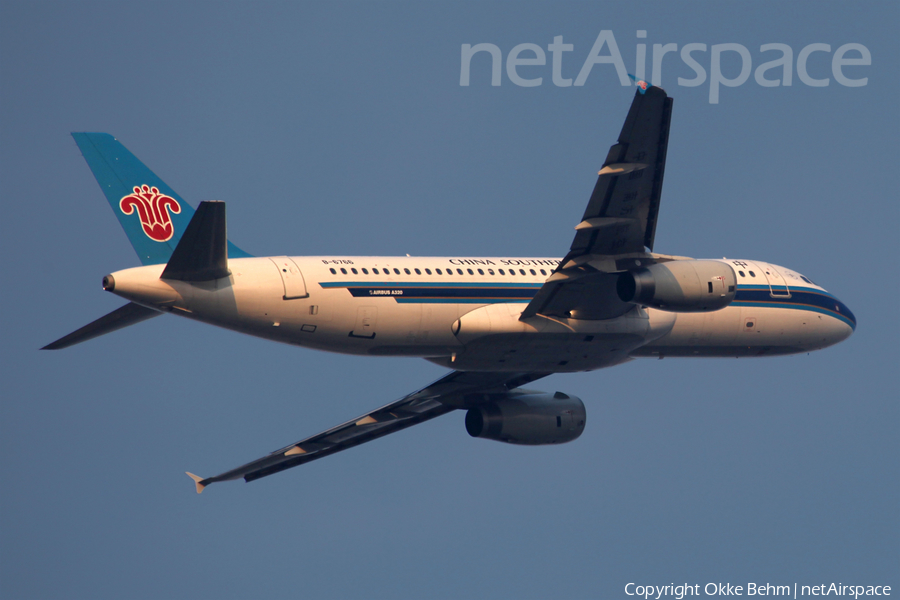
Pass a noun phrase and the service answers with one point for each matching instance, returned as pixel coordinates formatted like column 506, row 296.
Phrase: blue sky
column 342, row 128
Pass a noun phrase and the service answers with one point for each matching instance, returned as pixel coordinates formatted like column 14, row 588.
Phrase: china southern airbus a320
column 497, row 322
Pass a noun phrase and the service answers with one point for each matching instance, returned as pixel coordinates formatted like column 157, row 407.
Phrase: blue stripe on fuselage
column 440, row 292
column 468, row 292
column 810, row 299
column 428, row 284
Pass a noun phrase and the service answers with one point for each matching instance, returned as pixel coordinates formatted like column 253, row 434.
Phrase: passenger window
column 490, row 271
column 428, row 271
column 407, row 271
column 752, row 274
column 365, row 271
column 374, row 270
column 741, row 273
column 532, row 272
column 418, row 272
column 460, row 271
column 355, row 272
column 438, row 271
column 501, row 272
column 522, row 271
column 543, row 272
column 396, row 271
column 480, row 272
column 471, row 272
column 333, row 272
column 343, row 270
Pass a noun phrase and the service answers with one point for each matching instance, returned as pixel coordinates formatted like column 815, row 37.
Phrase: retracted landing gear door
column 291, row 277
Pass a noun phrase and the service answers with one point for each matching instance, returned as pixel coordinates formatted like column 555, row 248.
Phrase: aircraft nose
column 842, row 325
column 840, row 331
column 845, row 312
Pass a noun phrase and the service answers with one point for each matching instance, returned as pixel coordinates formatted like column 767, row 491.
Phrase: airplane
column 499, row 323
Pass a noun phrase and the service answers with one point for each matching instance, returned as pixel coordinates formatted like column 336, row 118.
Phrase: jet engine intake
column 528, row 417
column 680, row 285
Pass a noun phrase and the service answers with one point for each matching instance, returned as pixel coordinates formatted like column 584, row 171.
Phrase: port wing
column 455, row 390
column 619, row 223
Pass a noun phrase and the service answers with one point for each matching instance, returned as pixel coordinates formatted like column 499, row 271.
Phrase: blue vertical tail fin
column 152, row 214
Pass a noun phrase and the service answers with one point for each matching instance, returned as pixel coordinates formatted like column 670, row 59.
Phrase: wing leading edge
column 620, row 219
column 457, row 389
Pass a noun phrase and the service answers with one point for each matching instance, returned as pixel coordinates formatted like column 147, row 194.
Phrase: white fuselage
column 464, row 313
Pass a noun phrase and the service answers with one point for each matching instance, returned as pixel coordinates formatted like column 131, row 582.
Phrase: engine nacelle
column 528, row 417
column 680, row 285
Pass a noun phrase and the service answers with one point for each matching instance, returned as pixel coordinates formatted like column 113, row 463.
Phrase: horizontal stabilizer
column 202, row 252
column 127, row 315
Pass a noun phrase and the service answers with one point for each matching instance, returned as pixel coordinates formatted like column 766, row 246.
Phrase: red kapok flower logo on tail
column 153, row 209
